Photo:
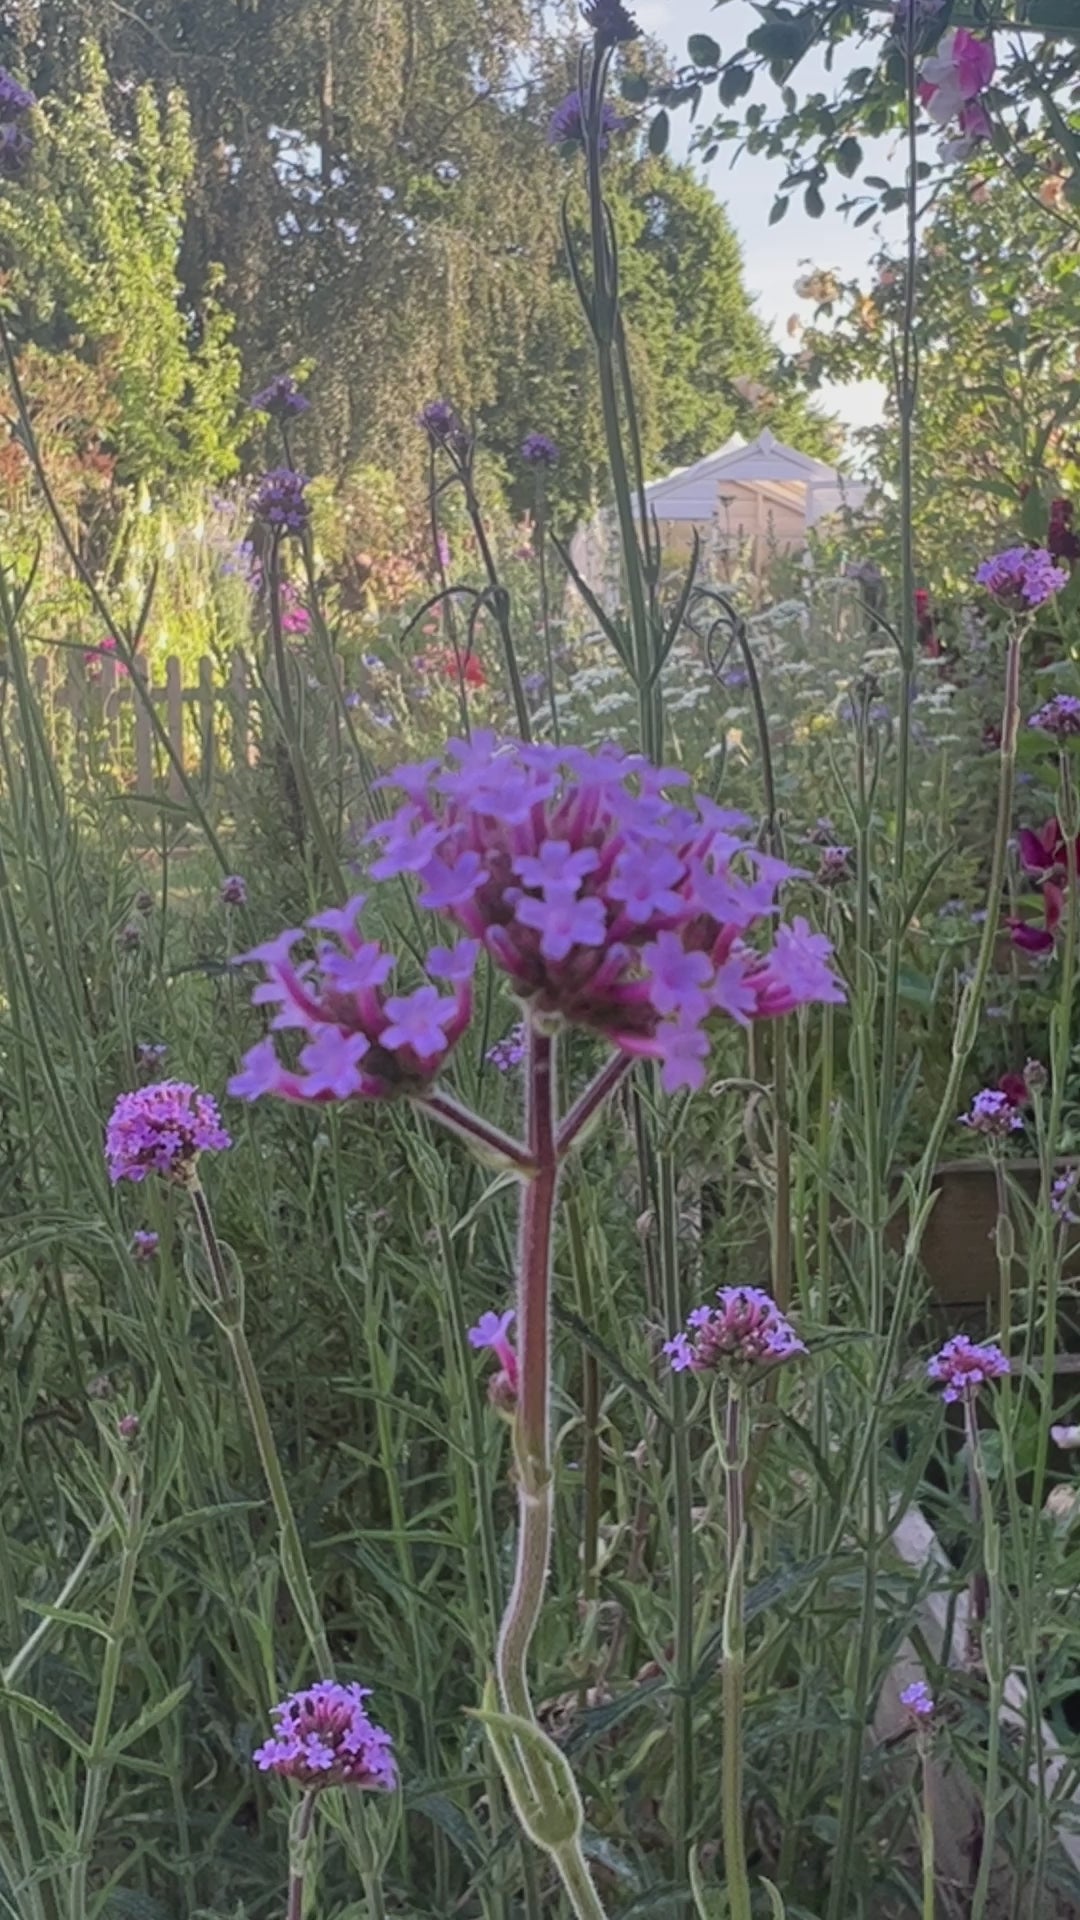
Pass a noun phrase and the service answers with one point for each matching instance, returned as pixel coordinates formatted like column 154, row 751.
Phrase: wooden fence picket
column 101, row 700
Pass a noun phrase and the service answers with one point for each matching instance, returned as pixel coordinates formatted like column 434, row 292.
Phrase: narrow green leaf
column 660, row 133
column 149, row 1717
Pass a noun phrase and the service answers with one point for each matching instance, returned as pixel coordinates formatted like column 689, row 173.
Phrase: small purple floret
column 918, row 1700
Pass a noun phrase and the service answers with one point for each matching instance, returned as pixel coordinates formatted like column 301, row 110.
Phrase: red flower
column 452, row 665
column 1061, row 541
column 925, row 629
column 1044, row 853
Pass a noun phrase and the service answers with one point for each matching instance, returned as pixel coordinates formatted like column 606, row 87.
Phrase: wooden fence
column 98, row 714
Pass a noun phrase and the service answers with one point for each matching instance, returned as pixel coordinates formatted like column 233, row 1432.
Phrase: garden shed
column 749, row 500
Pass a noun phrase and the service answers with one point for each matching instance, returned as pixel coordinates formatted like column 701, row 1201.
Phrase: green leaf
column 703, row 50
column 659, row 133
column 634, row 86
column 734, row 83
column 45, row 1717
column 849, row 157
column 916, row 989
column 813, row 202
column 779, row 208
column 150, row 1717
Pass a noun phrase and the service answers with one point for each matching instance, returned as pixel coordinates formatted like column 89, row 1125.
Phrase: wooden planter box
column 957, row 1249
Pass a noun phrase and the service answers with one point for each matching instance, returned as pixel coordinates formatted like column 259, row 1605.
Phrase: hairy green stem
column 99, row 1765
column 735, row 1451
column 229, row 1313
column 993, row 1659
column 682, row 1523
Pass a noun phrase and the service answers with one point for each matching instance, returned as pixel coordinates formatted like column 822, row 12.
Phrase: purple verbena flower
column 13, row 97
column 606, row 902
column 992, row 1113
column 492, row 1331
column 962, row 1367
column 129, row 1427
column 1022, row 577
column 323, row 1737
column 162, row 1128
column 144, row 1244
column 1065, row 1437
column 1065, row 1198
column 442, row 424
column 567, row 123
column 149, row 1055
column 508, row 1052
column 610, row 21
column 359, row 1042
column 746, row 1329
column 834, row 867
column 281, row 398
column 918, row 1700
column 280, row 502
column 537, row 450
column 233, row 891
column 1060, row 716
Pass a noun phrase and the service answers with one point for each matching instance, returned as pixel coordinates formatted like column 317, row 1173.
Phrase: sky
column 775, row 256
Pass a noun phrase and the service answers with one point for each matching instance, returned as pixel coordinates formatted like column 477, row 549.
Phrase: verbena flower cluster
column 233, row 890
column 610, row 21
column 144, row 1243
column 606, row 903
column 537, row 450
column 1022, row 577
column 567, row 123
column 361, row 1041
column 992, row 1112
column 323, row 1737
column 280, row 500
column 15, row 144
column 281, row 398
column 746, row 1329
column 962, row 1367
column 1060, row 716
column 509, row 1052
column 918, row 1700
column 162, row 1128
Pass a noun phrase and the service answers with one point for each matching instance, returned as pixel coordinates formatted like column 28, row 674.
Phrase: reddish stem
column 592, row 1100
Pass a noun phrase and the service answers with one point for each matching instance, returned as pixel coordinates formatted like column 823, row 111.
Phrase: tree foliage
column 365, row 192
column 91, row 244
column 997, row 317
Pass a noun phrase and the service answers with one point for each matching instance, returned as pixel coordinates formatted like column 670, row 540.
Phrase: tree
column 90, row 242
column 997, row 320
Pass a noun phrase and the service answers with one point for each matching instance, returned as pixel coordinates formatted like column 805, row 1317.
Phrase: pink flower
column 962, row 1367
column 360, row 1043
column 492, row 1330
column 918, row 1700
column 746, row 1329
column 323, row 1737
column 606, row 901
column 961, row 69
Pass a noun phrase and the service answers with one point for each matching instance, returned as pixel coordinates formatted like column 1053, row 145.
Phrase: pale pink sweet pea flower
column 954, row 76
